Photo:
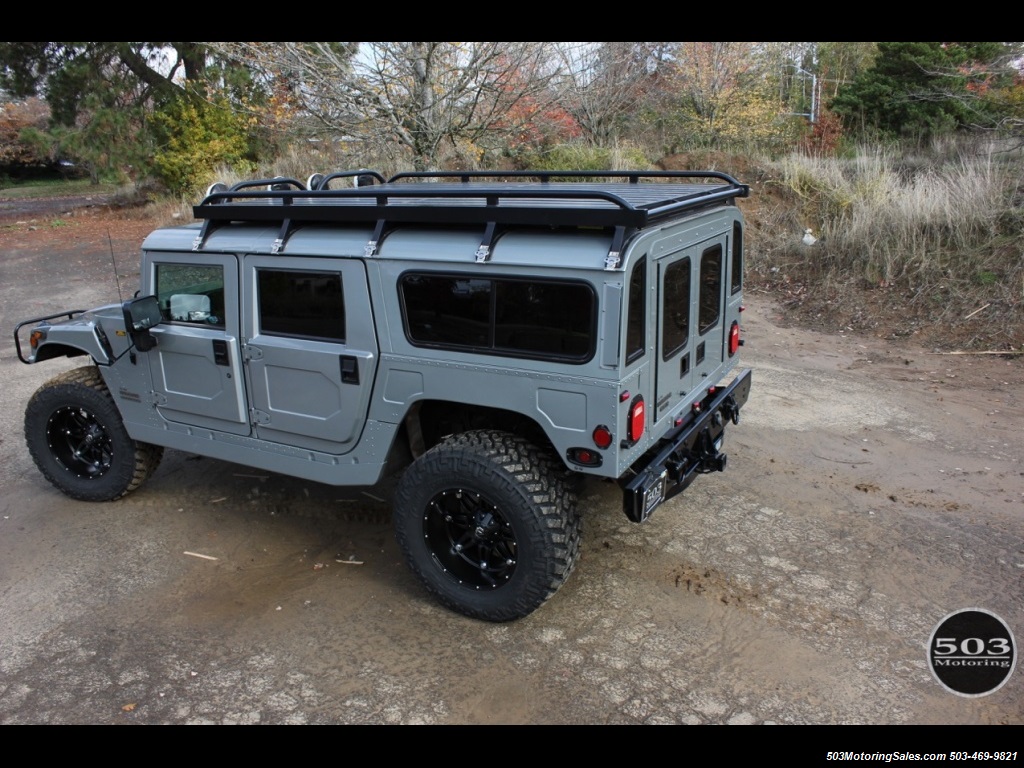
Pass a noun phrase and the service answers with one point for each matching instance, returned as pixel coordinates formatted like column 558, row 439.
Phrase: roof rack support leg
column 282, row 237
column 483, row 253
column 374, row 244
column 614, row 258
column 200, row 240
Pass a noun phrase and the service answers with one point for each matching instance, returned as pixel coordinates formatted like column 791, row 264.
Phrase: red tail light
column 637, row 419
column 734, row 339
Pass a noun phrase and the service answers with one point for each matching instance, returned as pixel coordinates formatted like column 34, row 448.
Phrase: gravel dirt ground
column 873, row 488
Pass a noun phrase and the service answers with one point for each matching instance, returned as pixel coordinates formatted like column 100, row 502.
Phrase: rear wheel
column 488, row 524
column 77, row 439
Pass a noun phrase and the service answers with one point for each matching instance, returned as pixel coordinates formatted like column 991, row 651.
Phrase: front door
column 197, row 362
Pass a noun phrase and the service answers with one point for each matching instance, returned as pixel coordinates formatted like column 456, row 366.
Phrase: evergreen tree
column 916, row 89
column 103, row 97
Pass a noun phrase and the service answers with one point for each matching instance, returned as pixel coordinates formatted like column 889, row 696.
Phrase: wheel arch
column 54, row 350
column 428, row 422
column 76, row 339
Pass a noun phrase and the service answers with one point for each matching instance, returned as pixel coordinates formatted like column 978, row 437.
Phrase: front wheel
column 77, row 439
column 488, row 524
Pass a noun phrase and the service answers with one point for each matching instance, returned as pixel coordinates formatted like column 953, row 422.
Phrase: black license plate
column 654, row 494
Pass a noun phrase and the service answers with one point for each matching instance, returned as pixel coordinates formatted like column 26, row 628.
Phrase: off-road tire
column 77, row 439
column 488, row 524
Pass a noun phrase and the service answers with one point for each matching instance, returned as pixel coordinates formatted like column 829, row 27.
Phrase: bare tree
column 840, row 63
column 414, row 102
column 602, row 84
column 711, row 79
column 313, row 80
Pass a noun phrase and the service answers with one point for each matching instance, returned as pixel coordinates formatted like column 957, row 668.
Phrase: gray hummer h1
column 493, row 337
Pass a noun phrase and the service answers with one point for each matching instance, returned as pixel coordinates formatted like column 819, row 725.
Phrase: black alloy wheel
column 470, row 539
column 79, row 442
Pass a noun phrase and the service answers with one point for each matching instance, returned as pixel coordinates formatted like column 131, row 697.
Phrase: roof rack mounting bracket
column 374, row 244
column 282, row 237
column 207, row 229
column 483, row 253
column 614, row 258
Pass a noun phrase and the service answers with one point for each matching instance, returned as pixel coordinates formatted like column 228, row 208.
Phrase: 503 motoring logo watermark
column 972, row 652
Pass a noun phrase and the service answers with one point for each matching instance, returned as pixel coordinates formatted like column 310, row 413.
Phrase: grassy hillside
column 930, row 247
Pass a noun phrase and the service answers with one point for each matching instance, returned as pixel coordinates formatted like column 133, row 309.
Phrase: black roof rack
column 623, row 200
column 546, row 198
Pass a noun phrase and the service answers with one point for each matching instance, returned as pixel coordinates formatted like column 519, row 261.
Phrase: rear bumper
column 691, row 449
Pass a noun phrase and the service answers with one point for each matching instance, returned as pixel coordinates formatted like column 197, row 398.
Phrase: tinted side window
column 636, row 323
column 543, row 318
column 306, row 304
column 710, row 288
column 452, row 311
column 737, row 258
column 191, row 293
column 521, row 318
column 675, row 309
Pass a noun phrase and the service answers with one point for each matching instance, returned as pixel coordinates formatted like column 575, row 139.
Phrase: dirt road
column 871, row 490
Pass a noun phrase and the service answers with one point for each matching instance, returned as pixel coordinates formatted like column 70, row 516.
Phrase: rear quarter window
column 500, row 316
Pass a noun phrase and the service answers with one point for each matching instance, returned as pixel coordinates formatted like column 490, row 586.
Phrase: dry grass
column 894, row 225
column 925, row 243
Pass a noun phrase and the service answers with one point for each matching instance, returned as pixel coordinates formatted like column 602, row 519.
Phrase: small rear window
column 636, row 323
column 736, row 283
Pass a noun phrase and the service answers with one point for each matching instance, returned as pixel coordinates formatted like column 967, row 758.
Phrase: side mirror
column 139, row 316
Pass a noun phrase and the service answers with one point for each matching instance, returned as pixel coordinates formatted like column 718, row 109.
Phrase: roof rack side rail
column 384, row 196
column 681, row 205
column 633, row 177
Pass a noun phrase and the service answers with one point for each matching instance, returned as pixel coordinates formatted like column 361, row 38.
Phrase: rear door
column 311, row 351
column 674, row 347
column 691, row 324
column 709, row 308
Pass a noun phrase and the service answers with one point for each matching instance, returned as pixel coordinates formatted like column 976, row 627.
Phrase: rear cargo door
column 310, row 351
column 690, row 344
column 709, row 354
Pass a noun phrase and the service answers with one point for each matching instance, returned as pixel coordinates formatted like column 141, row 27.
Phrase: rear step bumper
column 692, row 449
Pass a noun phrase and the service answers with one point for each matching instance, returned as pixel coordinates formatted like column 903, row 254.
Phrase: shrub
column 196, row 137
column 581, row 157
